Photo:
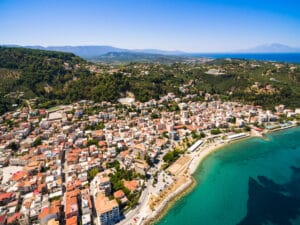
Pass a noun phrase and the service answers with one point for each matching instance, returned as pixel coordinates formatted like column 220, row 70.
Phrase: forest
column 53, row 78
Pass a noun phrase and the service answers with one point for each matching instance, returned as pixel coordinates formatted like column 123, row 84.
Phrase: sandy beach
column 195, row 159
column 181, row 189
column 184, row 181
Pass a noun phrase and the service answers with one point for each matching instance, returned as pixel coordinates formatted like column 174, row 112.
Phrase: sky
column 193, row 26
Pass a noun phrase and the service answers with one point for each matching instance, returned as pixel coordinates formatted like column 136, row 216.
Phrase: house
column 72, row 220
column 141, row 167
column 6, row 197
column 71, row 207
column 121, row 196
column 3, row 219
column 86, row 207
column 107, row 211
column 101, row 183
column 13, row 219
column 48, row 213
column 132, row 185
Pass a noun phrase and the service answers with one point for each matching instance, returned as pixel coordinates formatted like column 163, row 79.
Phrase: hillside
column 55, row 78
column 128, row 57
column 32, row 70
column 27, row 73
column 94, row 51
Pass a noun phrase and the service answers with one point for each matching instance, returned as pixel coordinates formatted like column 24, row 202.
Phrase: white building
column 107, row 211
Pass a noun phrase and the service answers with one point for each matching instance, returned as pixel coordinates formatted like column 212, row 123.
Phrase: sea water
column 249, row 182
column 273, row 57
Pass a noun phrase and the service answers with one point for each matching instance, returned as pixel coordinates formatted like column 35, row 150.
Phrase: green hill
column 55, row 77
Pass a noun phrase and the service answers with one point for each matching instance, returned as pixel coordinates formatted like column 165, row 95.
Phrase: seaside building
column 236, row 136
column 107, row 211
column 195, row 146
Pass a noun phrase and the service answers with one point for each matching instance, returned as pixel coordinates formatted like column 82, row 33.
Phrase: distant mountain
column 271, row 48
column 162, row 52
column 94, row 51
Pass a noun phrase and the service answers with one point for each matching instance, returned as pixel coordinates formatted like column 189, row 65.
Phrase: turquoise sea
column 273, row 57
column 251, row 182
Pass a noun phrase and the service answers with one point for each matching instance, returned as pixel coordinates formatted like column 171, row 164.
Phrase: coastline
column 197, row 158
column 170, row 200
column 281, row 128
column 187, row 187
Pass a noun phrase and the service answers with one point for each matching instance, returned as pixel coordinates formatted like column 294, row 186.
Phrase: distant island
column 94, row 51
column 271, row 48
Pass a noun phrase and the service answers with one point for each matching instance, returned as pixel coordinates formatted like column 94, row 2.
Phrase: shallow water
column 249, row 182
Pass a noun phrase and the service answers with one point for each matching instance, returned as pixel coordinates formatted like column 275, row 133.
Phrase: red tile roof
column 131, row 185
column 72, row 221
column 119, row 194
column 13, row 218
column 19, row 175
column 6, row 195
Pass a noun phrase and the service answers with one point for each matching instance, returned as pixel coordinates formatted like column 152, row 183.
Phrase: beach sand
column 184, row 187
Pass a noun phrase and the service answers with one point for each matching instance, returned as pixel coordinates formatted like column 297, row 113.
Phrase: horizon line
column 180, row 52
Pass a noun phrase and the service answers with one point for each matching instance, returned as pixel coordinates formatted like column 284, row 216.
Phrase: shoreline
column 281, row 128
column 184, row 189
column 197, row 158
column 163, row 209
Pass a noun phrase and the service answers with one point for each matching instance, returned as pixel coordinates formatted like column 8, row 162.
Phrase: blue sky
column 195, row 26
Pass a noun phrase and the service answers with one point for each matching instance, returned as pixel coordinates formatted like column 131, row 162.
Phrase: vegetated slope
column 53, row 77
column 36, row 69
column 252, row 82
column 257, row 82
column 56, row 77
column 129, row 57
column 93, row 51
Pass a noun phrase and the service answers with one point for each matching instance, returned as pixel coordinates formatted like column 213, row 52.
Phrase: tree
column 37, row 142
column 13, row 146
column 215, row 131
column 171, row 156
column 92, row 173
column 154, row 116
column 115, row 164
column 92, row 142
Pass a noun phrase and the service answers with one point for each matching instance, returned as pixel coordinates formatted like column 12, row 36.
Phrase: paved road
column 129, row 217
column 29, row 106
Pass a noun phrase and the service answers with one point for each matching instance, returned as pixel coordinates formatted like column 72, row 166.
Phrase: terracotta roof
column 103, row 204
column 140, row 146
column 102, row 143
column 48, row 210
column 71, row 205
column 6, row 195
column 160, row 142
column 119, row 194
column 71, row 221
column 2, row 219
column 74, row 193
column 19, row 175
column 13, row 218
column 131, row 185
column 124, row 153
